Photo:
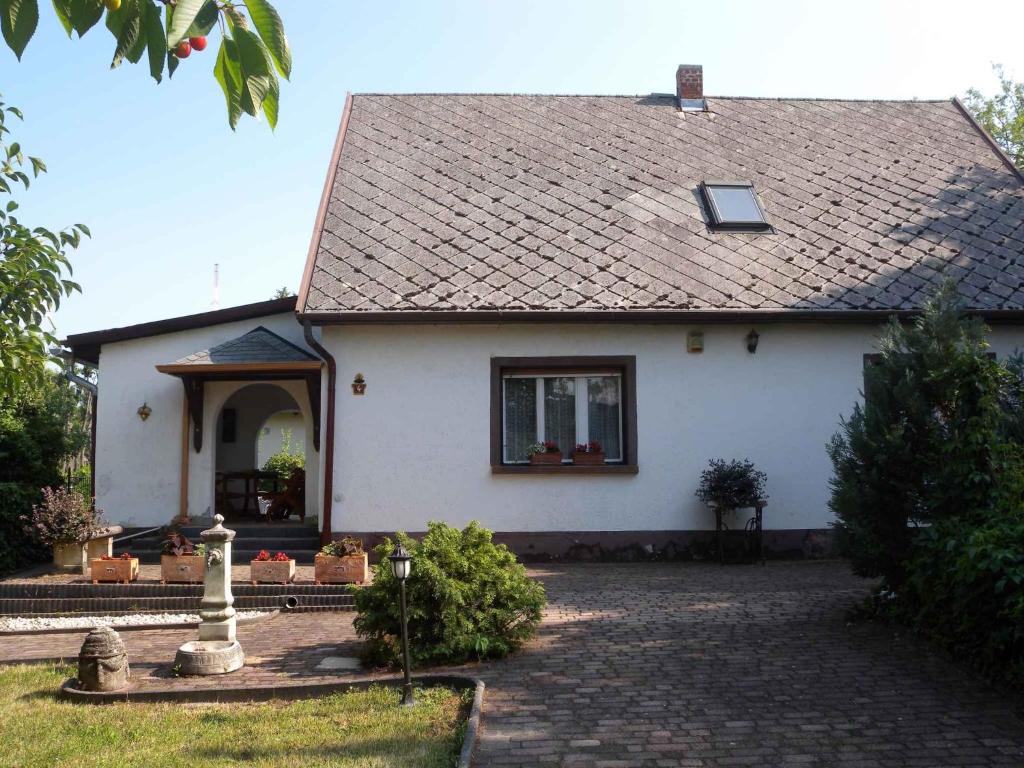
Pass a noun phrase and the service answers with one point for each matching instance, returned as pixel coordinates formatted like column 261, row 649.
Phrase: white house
column 678, row 277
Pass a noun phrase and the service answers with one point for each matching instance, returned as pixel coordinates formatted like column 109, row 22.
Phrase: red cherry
column 198, row 43
column 182, row 49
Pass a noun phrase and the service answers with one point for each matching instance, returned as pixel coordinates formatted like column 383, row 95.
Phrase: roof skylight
column 733, row 205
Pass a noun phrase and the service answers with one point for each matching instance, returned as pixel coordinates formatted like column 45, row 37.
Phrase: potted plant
column 731, row 485
column 182, row 561
column 342, row 562
column 279, row 569
column 547, row 452
column 65, row 522
column 588, row 454
column 122, row 568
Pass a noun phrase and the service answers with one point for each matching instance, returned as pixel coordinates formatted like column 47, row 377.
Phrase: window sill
column 564, row 469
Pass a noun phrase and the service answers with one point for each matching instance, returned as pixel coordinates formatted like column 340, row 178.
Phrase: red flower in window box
column 588, row 454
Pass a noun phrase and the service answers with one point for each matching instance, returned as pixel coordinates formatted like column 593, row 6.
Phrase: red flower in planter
column 281, row 557
column 263, row 556
column 122, row 556
column 550, row 446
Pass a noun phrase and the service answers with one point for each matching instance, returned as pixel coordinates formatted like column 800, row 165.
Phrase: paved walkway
column 680, row 665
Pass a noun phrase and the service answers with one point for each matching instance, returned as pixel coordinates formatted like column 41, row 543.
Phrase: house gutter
column 332, row 376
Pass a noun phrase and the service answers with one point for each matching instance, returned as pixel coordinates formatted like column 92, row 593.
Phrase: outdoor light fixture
column 752, row 339
column 144, row 411
column 401, row 566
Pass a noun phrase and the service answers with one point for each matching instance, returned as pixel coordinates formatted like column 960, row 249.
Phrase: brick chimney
column 690, row 87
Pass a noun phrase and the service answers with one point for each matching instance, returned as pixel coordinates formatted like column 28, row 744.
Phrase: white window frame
column 582, row 411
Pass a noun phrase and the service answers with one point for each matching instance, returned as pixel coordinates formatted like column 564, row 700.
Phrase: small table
column 250, row 479
column 754, row 529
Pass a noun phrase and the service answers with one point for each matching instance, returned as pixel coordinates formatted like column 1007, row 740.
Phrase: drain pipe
column 328, row 436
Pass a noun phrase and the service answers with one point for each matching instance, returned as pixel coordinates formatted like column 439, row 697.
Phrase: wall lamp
column 752, row 339
column 144, row 411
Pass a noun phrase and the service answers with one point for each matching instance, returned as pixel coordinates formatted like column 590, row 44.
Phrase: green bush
column 922, row 447
column 282, row 463
column 467, row 596
column 965, row 591
column 39, row 429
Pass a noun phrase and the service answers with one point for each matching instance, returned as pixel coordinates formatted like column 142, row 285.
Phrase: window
column 567, row 400
column 733, row 206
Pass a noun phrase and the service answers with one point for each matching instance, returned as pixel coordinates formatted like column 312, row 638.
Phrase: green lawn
column 364, row 728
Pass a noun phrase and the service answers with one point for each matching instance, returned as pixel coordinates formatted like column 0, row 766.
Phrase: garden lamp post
column 401, row 566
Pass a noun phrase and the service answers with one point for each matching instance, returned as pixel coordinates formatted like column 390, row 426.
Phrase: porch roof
column 259, row 350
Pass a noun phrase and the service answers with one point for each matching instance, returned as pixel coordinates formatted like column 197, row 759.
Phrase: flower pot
column 182, row 569
column 588, row 459
column 348, row 569
column 272, row 571
column 546, row 458
column 114, row 571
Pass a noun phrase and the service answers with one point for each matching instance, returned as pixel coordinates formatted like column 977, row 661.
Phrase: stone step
column 166, row 604
column 239, row 556
column 28, row 589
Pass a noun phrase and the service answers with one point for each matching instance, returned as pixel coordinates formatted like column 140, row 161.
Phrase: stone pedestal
column 217, row 651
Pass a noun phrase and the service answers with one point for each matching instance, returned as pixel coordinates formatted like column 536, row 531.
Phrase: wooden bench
column 75, row 556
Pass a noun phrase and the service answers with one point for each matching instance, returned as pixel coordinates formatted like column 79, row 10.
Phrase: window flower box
column 547, row 452
column 588, row 454
column 114, row 570
column 182, row 569
column 279, row 569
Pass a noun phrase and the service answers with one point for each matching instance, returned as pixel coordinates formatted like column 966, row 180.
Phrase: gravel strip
column 31, row 623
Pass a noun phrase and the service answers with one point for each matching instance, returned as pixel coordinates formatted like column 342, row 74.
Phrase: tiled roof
column 257, row 346
column 463, row 203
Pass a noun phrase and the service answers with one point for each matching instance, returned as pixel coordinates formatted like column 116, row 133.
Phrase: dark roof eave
column 639, row 316
column 86, row 346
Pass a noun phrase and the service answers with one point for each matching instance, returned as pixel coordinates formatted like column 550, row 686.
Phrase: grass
column 367, row 729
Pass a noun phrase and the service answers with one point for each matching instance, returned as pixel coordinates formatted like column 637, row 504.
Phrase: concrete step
column 240, row 556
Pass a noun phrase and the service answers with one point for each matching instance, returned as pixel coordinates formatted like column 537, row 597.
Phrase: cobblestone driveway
column 680, row 665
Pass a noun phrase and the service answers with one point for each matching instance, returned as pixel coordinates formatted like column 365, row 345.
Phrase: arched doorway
column 239, row 459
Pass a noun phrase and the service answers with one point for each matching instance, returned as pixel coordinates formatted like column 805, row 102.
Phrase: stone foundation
column 640, row 546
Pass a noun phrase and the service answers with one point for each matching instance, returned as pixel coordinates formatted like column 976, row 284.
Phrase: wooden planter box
column 116, row 571
column 272, row 571
column 546, row 458
column 182, row 569
column 350, row 569
column 588, row 459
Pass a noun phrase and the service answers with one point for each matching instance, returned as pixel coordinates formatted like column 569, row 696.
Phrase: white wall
column 415, row 447
column 138, row 463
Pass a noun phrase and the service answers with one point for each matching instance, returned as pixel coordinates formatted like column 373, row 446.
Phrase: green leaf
column 205, row 20
column 270, row 103
column 63, row 10
column 185, row 12
column 228, row 73
column 18, row 22
column 127, row 28
column 85, row 14
column 156, row 40
column 38, row 166
column 256, row 73
column 271, row 30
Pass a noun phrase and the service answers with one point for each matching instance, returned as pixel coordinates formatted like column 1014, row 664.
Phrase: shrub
column 731, row 484
column 283, row 463
column 922, row 447
column 965, row 591
column 467, row 597
column 347, row 545
column 39, row 429
column 63, row 515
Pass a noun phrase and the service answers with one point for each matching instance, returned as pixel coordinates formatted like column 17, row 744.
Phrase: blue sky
column 168, row 190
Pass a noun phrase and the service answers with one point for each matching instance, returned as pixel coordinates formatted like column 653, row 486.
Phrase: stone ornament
column 103, row 662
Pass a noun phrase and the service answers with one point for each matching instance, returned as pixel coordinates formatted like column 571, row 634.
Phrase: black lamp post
column 401, row 566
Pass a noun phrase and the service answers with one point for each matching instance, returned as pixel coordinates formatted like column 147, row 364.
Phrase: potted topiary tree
column 731, row 485
column 547, row 452
column 342, row 562
column 182, row 561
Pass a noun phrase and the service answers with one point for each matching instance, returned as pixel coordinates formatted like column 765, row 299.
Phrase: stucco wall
column 138, row 463
column 415, row 447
